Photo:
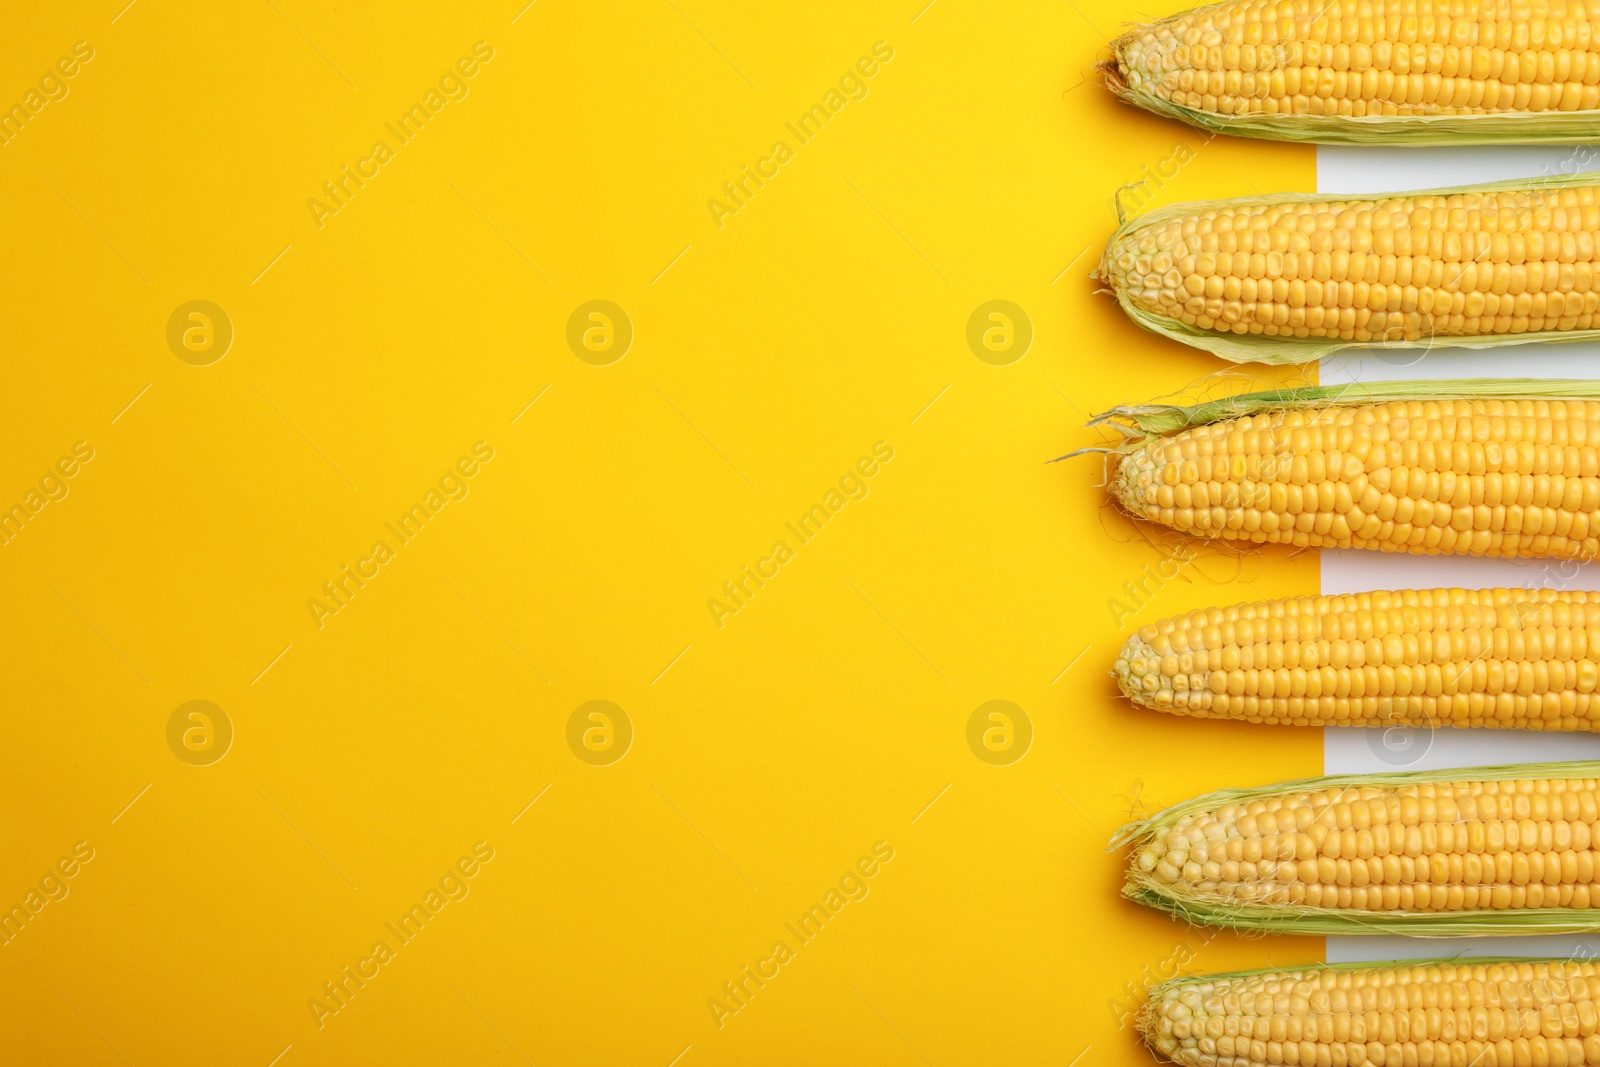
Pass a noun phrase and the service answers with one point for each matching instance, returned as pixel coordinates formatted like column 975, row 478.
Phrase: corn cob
column 1485, row 468
column 1442, row 1013
column 1350, row 71
column 1484, row 850
column 1516, row 658
column 1293, row 277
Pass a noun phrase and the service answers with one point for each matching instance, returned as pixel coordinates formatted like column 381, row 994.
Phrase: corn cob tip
column 1148, row 1022
column 1136, row 661
column 1145, row 680
column 1111, row 70
column 1122, row 69
column 1103, row 274
column 1128, row 477
column 1151, row 872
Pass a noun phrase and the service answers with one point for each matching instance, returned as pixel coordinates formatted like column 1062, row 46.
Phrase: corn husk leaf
column 1301, row 919
column 1258, row 348
column 1367, row 965
column 1143, row 421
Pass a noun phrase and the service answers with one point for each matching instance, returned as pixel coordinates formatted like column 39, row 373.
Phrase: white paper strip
column 1375, row 170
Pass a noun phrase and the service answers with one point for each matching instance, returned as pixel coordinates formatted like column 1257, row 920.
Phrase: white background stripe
column 1381, row 169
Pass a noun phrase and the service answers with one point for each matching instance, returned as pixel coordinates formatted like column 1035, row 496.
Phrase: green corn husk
column 1141, row 887
column 1505, row 127
column 1544, row 988
column 1182, row 980
column 1140, row 422
column 1259, row 348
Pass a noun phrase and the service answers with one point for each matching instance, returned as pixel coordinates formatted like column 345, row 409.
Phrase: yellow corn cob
column 1485, row 850
column 1516, row 658
column 1444, row 1013
column 1290, row 278
column 1468, row 474
column 1423, row 71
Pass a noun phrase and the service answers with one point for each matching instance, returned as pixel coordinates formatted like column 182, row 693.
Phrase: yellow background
column 768, row 356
